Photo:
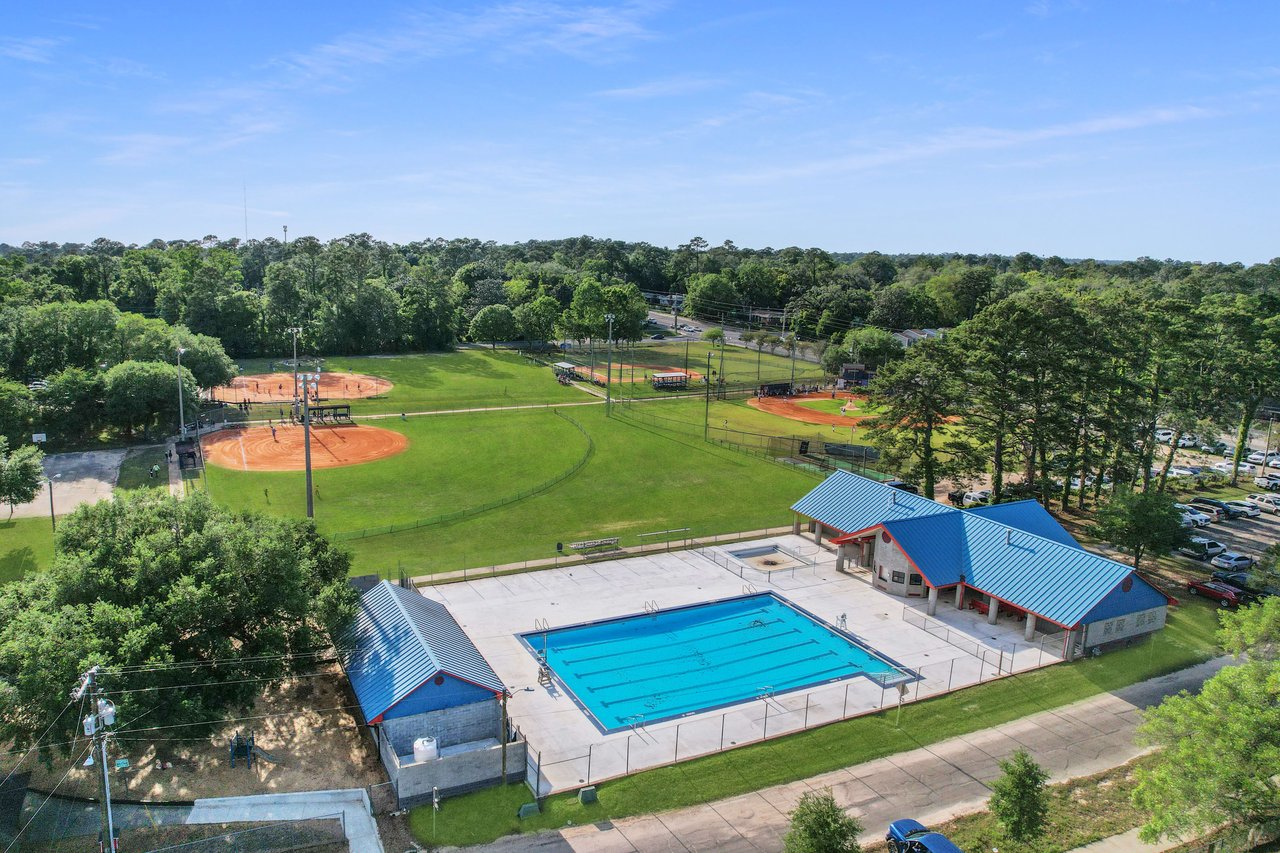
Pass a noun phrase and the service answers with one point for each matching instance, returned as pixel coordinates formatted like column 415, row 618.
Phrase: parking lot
column 1249, row 536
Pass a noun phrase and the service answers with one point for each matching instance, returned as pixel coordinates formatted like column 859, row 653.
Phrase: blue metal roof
column 1027, row 515
column 1016, row 552
column 399, row 641
column 1059, row 582
column 848, row 503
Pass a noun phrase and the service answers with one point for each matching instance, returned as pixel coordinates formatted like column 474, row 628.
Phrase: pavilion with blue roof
column 1010, row 559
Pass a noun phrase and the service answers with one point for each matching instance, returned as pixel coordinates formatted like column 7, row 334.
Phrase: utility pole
column 286, row 236
column 182, row 418
column 608, row 376
column 101, row 714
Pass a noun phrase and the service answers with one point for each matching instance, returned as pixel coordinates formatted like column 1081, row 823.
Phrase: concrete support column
column 1030, row 630
column 795, row 523
column 840, row 558
column 817, row 533
column 960, row 597
column 932, row 608
column 993, row 610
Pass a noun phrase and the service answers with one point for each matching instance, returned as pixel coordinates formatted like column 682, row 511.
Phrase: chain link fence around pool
column 364, row 533
column 771, row 716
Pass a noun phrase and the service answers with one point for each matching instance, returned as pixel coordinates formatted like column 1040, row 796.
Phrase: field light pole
column 182, row 418
column 306, row 435
column 706, row 414
column 295, row 331
column 608, row 376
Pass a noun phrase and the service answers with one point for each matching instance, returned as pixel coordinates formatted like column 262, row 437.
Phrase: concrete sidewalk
column 351, row 803
column 932, row 784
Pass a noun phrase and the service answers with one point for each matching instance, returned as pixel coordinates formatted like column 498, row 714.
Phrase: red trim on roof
column 849, row 537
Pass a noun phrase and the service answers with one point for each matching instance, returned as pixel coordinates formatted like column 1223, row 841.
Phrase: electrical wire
column 36, row 744
column 235, row 720
column 48, row 797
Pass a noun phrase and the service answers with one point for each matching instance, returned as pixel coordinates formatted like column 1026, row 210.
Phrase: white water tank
column 425, row 749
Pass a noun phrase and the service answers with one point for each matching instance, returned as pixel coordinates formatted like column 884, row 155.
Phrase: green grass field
column 639, row 480
column 136, row 467
column 429, row 382
column 26, row 544
column 737, row 415
column 738, row 365
column 485, row 815
column 453, row 462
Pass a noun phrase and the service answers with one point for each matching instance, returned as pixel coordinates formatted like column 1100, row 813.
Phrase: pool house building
column 1013, row 560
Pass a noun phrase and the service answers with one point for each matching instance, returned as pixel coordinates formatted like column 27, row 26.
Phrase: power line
column 238, row 719
column 48, row 797
column 36, row 744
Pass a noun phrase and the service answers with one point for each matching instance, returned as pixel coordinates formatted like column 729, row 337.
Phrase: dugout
column 670, row 381
column 564, row 368
column 775, row 389
column 338, row 413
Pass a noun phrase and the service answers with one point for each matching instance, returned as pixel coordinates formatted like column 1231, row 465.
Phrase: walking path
column 932, row 784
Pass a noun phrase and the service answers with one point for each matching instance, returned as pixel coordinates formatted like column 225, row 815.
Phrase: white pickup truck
column 1267, row 481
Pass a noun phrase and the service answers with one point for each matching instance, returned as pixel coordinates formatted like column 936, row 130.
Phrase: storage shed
column 417, row 675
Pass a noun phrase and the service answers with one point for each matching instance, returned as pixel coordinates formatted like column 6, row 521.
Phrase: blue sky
column 1083, row 129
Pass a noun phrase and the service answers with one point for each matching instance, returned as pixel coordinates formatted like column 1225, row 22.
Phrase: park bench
column 610, row 543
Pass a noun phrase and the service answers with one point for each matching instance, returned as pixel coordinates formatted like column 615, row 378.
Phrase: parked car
column 1257, row 457
column 1225, row 594
column 1164, row 435
column 1188, row 441
column 977, row 498
column 1216, row 448
column 1182, row 471
column 1233, row 561
column 901, row 486
column 1241, row 581
column 1201, row 548
column 1215, row 509
column 1203, row 504
column 1245, row 508
column 1267, row 481
column 1197, row 517
column 1224, row 467
column 1266, row 503
column 911, row 836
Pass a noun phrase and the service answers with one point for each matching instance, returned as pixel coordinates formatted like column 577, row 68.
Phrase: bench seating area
column 610, row 543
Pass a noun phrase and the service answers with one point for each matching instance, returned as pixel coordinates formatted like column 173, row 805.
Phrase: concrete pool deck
column 952, row 650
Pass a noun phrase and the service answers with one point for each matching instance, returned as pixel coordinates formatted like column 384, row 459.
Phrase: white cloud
column 137, row 149
column 30, row 49
column 664, row 88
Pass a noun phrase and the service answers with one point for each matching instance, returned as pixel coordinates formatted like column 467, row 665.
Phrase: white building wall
column 1123, row 627
column 893, row 571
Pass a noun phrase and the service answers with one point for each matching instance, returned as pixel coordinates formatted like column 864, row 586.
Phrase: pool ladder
column 544, row 671
column 749, row 589
column 635, row 722
column 651, row 607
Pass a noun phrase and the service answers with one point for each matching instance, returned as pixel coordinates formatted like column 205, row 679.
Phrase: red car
column 1224, row 593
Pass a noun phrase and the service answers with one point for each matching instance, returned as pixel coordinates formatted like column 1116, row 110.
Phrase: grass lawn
column 135, row 469
column 26, row 544
column 858, row 408
column 428, row 382
column 739, row 365
column 453, row 462
column 483, row 816
column 688, row 415
column 1081, row 811
column 639, row 480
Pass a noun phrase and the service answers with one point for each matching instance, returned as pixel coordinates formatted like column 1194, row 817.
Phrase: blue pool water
column 654, row 667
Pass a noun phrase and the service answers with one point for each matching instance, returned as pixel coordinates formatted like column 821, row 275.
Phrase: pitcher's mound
column 255, row 449
column 278, row 387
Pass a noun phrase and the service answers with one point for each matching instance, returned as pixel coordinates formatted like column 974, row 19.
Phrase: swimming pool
column 657, row 666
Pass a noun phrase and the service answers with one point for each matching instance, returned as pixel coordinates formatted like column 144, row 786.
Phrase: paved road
column 931, row 784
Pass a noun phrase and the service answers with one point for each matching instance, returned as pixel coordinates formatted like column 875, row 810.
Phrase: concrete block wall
column 449, row 726
column 458, row 774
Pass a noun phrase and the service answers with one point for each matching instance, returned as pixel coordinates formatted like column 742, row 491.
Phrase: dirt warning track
column 788, row 407
column 256, row 449
column 278, row 387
